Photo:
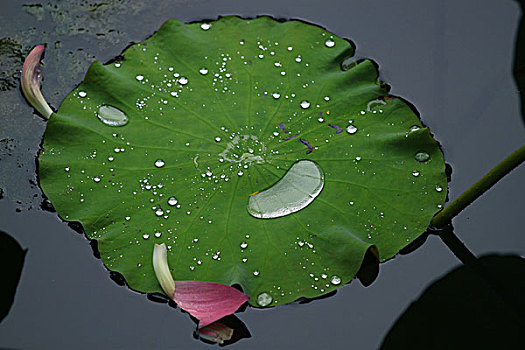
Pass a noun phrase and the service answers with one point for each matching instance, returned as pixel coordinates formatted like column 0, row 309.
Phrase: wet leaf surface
column 205, row 116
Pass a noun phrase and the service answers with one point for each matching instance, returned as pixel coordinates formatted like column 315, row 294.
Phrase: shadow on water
column 240, row 331
column 518, row 68
column 479, row 305
column 11, row 262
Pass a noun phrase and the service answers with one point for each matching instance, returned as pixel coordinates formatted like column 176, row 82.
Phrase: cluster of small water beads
column 264, row 298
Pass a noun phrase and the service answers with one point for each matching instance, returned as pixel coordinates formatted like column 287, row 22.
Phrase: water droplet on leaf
column 329, row 43
column 335, row 280
column 112, row 116
column 294, row 191
column 351, row 129
column 264, row 299
column 422, row 156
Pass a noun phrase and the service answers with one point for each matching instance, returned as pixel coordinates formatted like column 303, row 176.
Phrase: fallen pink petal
column 216, row 332
column 207, row 301
column 31, row 79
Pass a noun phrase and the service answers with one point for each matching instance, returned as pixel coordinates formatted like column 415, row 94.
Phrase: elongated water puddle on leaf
column 295, row 191
column 112, row 116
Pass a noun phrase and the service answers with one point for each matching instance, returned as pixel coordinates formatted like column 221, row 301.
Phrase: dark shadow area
column 455, row 245
column 11, row 262
column 369, row 269
column 418, row 242
column 518, row 68
column 240, row 331
column 158, row 298
column 305, row 300
column 477, row 306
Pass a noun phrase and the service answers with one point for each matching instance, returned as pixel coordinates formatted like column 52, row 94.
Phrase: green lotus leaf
column 252, row 149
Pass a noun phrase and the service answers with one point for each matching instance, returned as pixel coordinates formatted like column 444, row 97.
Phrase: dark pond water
column 451, row 59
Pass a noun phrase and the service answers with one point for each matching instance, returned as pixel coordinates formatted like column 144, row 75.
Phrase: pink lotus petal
column 208, row 301
column 216, row 332
column 30, row 81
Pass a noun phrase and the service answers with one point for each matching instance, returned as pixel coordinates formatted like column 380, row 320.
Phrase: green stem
column 481, row 186
column 457, row 247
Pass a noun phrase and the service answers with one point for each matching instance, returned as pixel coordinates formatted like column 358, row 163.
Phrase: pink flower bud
column 31, row 79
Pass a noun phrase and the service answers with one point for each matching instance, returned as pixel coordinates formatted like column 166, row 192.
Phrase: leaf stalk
column 445, row 216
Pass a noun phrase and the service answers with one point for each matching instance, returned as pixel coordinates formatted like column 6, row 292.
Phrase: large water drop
column 293, row 192
column 264, row 299
column 112, row 116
